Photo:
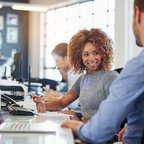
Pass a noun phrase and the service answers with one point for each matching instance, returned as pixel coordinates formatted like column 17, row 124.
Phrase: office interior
column 124, row 44
column 31, row 32
column 26, row 35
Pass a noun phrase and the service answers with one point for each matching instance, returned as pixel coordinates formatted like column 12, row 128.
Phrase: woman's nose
column 91, row 57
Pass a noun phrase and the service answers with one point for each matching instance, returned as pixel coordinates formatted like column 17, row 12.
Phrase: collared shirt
column 126, row 100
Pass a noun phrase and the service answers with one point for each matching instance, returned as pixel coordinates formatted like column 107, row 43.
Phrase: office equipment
column 62, row 136
column 55, row 134
column 8, row 104
column 17, row 66
column 13, row 89
column 18, row 110
column 6, row 100
column 20, row 127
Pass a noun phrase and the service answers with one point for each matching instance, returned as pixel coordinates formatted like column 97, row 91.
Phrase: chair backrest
column 118, row 70
column 50, row 82
column 45, row 81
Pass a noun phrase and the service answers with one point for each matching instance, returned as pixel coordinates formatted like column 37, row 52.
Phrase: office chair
column 118, row 70
column 45, row 81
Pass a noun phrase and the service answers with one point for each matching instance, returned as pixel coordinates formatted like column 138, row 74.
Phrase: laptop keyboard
column 17, row 126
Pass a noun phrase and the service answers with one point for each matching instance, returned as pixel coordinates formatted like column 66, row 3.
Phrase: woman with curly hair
column 90, row 53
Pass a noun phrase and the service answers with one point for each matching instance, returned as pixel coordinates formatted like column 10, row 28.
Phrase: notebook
column 19, row 127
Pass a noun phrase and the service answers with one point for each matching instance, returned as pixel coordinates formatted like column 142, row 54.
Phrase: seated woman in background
column 63, row 64
column 90, row 51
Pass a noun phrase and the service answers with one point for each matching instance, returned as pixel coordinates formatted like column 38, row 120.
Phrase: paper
column 28, row 104
column 54, row 114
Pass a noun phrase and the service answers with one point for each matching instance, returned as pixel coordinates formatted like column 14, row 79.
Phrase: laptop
column 21, row 127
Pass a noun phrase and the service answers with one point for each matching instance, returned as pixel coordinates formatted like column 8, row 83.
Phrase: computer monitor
column 17, row 66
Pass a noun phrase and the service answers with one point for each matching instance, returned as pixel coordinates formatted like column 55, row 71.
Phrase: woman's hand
column 51, row 95
column 41, row 107
column 73, row 124
column 73, row 117
column 36, row 99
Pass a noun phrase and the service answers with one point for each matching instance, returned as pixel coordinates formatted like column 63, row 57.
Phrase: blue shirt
column 126, row 100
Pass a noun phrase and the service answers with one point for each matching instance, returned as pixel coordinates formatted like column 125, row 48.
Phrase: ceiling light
column 30, row 8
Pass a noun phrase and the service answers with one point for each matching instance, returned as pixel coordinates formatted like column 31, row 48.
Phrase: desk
column 62, row 135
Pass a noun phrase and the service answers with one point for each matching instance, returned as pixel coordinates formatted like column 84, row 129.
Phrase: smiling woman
column 90, row 53
column 91, row 57
column 87, row 43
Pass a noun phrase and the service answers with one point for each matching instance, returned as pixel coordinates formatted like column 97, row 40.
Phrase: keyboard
column 24, row 127
column 17, row 110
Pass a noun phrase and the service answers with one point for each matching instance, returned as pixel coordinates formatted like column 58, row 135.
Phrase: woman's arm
column 51, row 95
column 55, row 105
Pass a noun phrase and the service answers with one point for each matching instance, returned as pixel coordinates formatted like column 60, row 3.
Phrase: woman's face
column 91, row 57
column 61, row 62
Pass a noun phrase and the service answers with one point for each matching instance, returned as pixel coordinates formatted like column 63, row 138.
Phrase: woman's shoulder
column 111, row 73
column 83, row 75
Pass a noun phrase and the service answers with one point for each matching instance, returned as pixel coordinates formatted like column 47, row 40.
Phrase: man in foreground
column 126, row 99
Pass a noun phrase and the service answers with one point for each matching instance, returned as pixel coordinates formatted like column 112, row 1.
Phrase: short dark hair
column 60, row 50
column 140, row 4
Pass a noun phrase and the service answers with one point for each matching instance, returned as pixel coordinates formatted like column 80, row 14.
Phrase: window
column 62, row 23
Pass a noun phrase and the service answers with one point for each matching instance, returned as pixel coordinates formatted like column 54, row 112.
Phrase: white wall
column 125, row 47
column 34, row 43
column 120, row 32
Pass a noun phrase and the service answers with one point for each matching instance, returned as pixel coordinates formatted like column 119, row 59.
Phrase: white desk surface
column 62, row 136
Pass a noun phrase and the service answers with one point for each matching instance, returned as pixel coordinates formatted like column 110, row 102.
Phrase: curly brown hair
column 100, row 39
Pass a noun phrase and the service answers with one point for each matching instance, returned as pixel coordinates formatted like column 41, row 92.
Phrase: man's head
column 138, row 22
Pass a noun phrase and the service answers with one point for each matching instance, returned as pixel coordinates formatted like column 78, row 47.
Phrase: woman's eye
column 85, row 54
column 96, row 52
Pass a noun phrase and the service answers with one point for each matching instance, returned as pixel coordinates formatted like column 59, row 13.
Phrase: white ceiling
column 47, row 2
column 54, row 2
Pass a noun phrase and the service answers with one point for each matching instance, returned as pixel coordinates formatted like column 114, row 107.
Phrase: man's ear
column 138, row 14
